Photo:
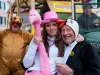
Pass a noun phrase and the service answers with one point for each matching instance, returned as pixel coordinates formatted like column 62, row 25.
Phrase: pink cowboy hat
column 49, row 16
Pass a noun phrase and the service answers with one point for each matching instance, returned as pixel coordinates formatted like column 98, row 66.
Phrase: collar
column 73, row 43
column 51, row 40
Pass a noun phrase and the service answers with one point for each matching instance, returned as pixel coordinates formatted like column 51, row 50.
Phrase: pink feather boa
column 45, row 68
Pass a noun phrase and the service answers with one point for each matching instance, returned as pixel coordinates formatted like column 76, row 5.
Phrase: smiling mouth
column 66, row 36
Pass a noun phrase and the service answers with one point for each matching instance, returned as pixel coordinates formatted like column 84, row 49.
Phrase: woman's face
column 51, row 28
column 67, row 34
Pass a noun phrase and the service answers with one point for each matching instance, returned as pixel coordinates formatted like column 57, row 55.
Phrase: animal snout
column 18, row 21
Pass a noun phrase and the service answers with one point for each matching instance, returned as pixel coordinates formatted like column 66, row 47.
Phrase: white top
column 32, row 55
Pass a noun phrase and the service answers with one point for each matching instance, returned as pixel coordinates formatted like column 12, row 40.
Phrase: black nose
column 17, row 21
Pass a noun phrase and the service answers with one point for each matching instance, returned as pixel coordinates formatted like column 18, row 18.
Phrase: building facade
column 3, row 23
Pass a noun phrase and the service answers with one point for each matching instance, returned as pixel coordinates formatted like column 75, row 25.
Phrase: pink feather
column 35, row 19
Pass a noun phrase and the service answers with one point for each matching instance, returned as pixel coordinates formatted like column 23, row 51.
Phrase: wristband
column 72, row 72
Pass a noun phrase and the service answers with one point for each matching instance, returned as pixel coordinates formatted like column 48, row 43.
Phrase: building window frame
column 2, row 20
column 5, row 5
column 0, row 4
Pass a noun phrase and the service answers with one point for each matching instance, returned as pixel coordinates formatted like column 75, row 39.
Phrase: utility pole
column 9, row 13
column 32, row 4
column 18, row 8
column 32, row 7
column 72, row 4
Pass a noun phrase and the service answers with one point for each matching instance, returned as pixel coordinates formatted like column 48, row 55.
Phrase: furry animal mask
column 15, row 21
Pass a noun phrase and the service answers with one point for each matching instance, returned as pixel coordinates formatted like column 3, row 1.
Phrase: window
column 2, row 20
column 5, row 20
column 0, row 4
column 93, row 5
column 4, row 5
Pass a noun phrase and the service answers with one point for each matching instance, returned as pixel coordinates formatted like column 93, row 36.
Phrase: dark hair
column 44, row 8
column 85, row 6
column 58, row 41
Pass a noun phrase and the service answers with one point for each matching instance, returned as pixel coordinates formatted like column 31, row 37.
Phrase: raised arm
column 30, row 55
column 31, row 52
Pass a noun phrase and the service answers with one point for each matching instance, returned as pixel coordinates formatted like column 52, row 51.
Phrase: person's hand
column 37, row 39
column 79, row 38
column 64, row 69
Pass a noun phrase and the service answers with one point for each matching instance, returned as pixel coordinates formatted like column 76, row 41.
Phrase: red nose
column 15, row 24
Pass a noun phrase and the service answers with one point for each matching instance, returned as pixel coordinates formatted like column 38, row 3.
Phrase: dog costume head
column 15, row 23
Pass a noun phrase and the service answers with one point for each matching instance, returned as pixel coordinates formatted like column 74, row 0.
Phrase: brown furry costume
column 12, row 48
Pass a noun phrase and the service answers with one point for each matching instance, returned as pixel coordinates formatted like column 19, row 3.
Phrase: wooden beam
column 14, row 3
